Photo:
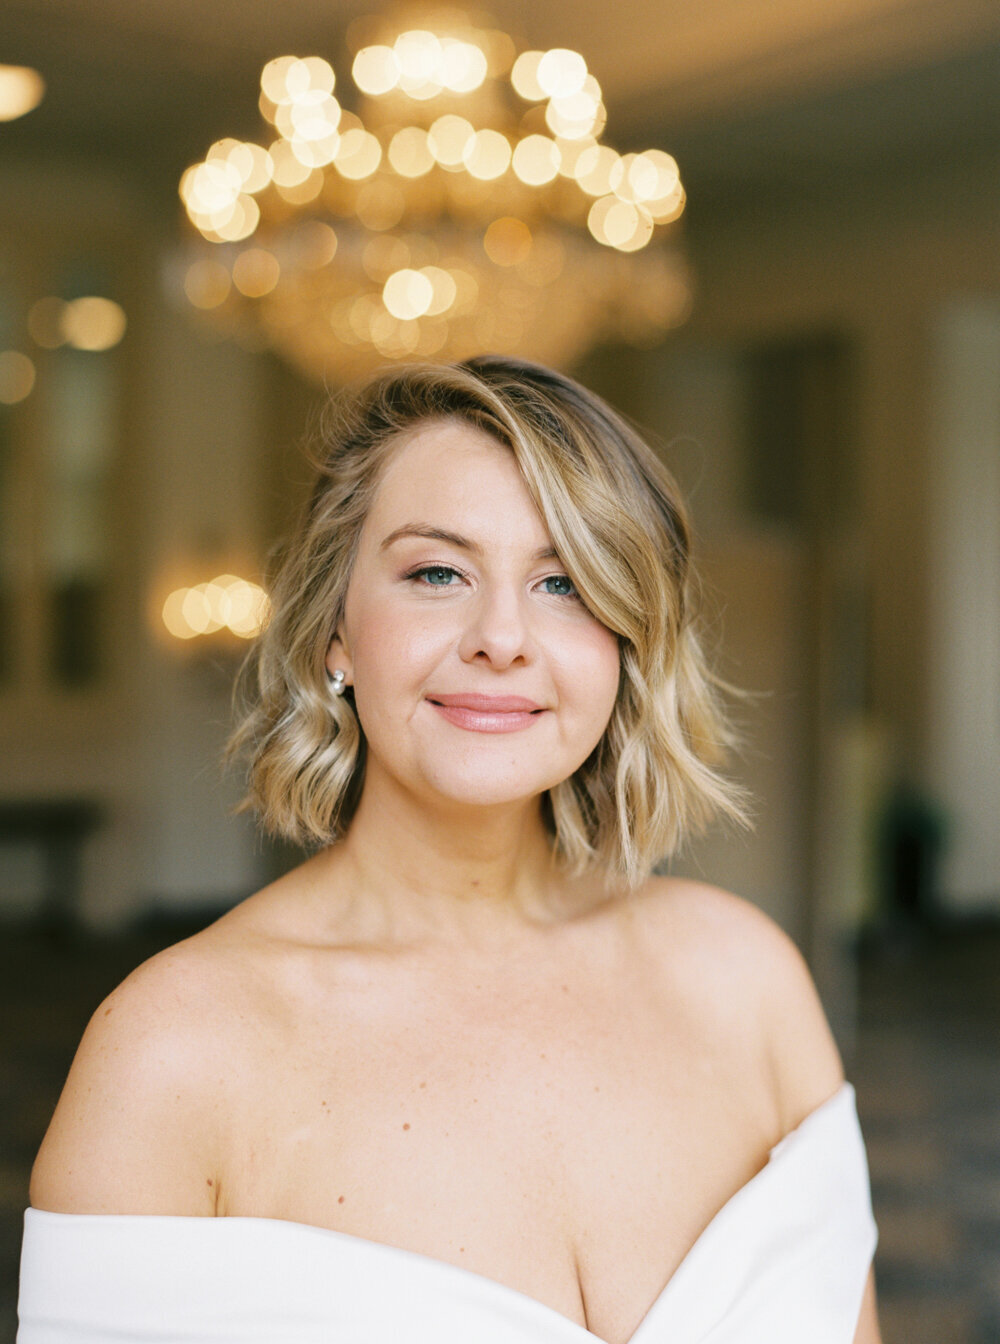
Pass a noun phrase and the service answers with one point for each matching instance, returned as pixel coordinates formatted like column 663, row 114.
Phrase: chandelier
column 459, row 199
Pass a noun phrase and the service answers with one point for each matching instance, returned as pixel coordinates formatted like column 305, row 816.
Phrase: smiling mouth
column 483, row 717
column 487, row 703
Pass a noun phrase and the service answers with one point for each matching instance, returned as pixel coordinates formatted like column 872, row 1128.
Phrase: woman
column 471, row 1072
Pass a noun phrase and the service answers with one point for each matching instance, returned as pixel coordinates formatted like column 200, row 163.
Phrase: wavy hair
column 619, row 526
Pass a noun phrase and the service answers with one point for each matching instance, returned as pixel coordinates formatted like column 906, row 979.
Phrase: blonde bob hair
column 618, row 524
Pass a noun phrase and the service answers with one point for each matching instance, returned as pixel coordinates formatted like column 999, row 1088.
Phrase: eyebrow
column 463, row 543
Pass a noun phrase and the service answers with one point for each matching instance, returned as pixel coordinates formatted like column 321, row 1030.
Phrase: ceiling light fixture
column 468, row 203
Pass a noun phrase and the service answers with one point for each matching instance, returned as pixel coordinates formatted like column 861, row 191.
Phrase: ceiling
column 739, row 90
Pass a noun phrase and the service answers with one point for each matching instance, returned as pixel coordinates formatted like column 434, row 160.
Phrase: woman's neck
column 419, row 872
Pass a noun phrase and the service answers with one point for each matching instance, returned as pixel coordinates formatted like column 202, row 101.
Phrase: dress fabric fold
column 783, row 1261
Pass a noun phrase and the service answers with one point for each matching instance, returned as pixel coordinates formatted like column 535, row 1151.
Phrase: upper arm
column 133, row 1130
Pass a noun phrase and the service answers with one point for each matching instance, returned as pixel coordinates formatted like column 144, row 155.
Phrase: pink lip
column 487, row 713
column 487, row 704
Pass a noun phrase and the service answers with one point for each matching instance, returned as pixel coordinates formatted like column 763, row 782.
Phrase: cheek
column 590, row 670
column 393, row 648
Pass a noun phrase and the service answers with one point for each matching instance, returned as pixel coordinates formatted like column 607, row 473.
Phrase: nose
column 497, row 630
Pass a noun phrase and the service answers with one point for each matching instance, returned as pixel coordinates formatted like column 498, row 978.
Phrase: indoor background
column 825, row 385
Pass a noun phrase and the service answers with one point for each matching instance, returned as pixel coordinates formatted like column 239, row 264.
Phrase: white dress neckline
column 794, row 1173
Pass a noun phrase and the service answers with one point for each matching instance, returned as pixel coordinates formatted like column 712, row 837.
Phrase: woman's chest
column 571, row 1148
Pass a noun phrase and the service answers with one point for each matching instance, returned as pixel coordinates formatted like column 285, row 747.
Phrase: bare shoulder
column 744, row 957
column 135, row 1128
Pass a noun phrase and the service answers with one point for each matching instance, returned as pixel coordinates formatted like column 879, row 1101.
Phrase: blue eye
column 565, row 583
column 436, row 576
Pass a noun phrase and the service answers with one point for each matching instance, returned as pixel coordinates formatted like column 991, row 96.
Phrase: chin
column 481, row 790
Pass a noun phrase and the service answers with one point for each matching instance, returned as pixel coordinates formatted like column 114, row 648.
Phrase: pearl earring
column 337, row 680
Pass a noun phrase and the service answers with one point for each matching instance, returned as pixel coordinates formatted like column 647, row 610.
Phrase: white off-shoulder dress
column 783, row 1262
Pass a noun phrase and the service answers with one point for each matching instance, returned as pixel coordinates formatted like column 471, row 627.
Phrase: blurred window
column 59, row 408
column 79, row 412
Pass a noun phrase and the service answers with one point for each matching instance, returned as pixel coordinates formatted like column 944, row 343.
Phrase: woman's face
column 457, row 610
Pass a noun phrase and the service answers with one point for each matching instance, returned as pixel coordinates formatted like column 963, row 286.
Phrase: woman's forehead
column 444, row 440
column 456, row 477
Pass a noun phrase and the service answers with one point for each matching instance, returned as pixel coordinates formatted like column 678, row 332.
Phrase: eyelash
column 418, row 573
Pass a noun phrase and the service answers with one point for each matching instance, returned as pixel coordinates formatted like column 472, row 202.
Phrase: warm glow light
column 253, row 164
column 313, row 154
column 418, row 55
column 211, row 186
column 448, row 139
column 225, row 601
column 463, row 66
column 363, row 312
column 289, row 79
column 315, row 117
column 319, row 73
column 207, row 283
column 408, row 294
column 93, row 323
column 524, row 76
column 598, row 169
column 392, row 337
column 173, row 615
column 375, row 70
column 272, row 78
column 487, row 155
column 287, row 168
column 196, row 611
column 619, row 224
column 507, row 241
column 373, row 233
column 560, row 73
column 17, row 377
column 359, row 154
column 647, row 177
column 536, row 160
column 313, row 245
column 579, row 114
column 444, row 290
column 409, row 152
column 21, row 90
column 641, row 233
column 570, row 152
column 466, row 289
column 256, row 272
column 670, row 207
column 249, row 608
column 239, row 223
